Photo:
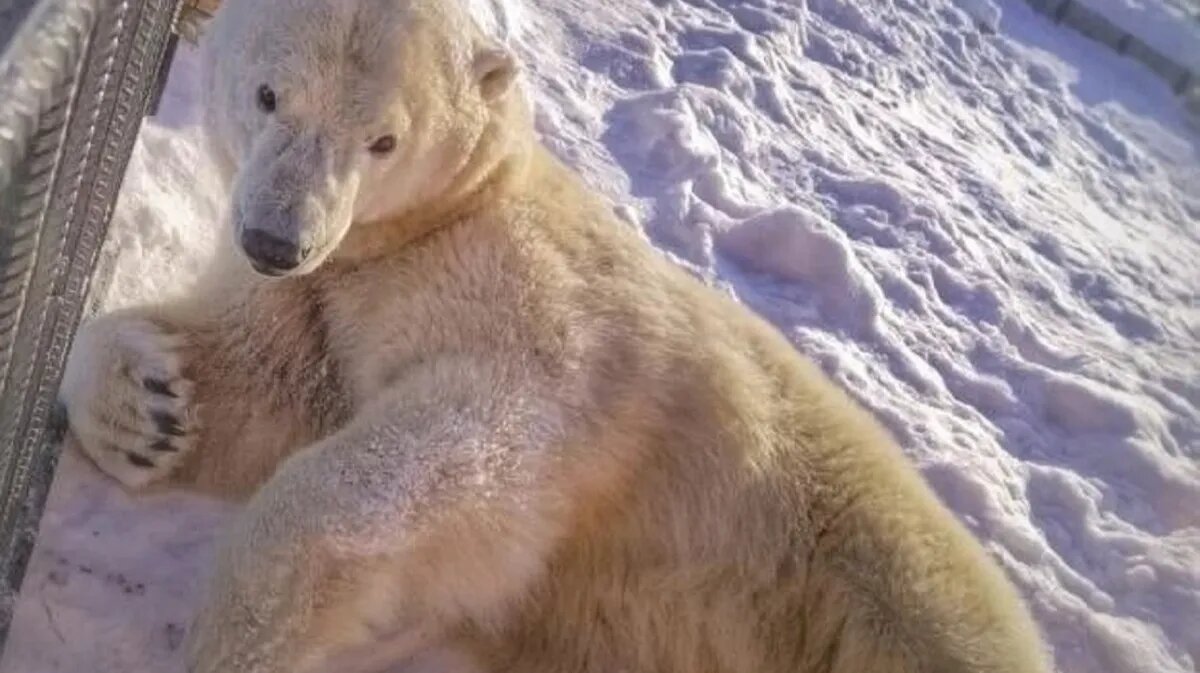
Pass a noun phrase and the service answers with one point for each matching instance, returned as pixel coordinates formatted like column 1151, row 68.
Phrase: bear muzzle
column 272, row 255
column 293, row 200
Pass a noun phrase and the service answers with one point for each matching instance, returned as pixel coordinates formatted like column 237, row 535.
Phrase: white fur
column 110, row 409
column 490, row 426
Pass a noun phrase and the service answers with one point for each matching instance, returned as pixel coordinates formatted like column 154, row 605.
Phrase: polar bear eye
column 383, row 145
column 266, row 99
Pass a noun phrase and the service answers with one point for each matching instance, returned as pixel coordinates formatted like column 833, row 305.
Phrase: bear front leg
column 437, row 504
column 127, row 401
column 203, row 393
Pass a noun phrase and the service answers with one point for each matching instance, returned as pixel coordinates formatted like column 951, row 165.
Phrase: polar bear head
column 333, row 113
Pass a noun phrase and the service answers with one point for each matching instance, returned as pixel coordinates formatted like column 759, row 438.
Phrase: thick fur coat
column 476, row 418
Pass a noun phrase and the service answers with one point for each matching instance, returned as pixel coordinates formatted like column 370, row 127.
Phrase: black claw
column 57, row 424
column 139, row 461
column 158, row 387
column 167, row 424
column 164, row 446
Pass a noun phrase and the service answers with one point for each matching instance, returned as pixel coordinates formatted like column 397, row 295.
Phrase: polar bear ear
column 495, row 71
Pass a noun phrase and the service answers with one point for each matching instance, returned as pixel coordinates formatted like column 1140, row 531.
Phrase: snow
column 989, row 238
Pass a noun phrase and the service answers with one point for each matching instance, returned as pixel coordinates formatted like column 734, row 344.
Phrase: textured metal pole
column 75, row 80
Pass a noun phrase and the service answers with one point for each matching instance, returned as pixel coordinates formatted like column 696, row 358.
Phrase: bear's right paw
column 127, row 401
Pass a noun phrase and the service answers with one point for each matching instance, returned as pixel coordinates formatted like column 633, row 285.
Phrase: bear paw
column 126, row 399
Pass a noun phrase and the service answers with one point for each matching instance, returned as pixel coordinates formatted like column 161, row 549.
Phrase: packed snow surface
column 982, row 225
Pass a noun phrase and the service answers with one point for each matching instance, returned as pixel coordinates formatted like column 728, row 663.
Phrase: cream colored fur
column 486, row 423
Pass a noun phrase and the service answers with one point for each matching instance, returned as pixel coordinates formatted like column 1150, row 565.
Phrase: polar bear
column 475, row 418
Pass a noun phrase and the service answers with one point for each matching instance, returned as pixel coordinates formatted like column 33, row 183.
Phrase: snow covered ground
column 990, row 237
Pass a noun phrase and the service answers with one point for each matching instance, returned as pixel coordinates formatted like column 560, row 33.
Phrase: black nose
column 270, row 254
